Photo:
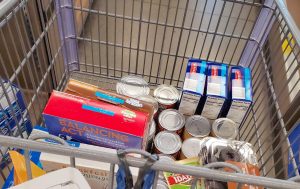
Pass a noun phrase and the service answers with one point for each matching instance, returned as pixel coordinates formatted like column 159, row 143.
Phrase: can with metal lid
column 167, row 96
column 190, row 148
column 132, row 86
column 166, row 142
column 171, row 120
column 165, row 158
column 151, row 134
column 151, row 100
column 161, row 184
column 196, row 126
column 225, row 128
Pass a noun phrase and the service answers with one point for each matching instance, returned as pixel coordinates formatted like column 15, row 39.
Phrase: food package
column 95, row 172
column 95, row 122
column 86, row 90
column 180, row 181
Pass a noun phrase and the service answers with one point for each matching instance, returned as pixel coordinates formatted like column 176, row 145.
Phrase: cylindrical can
column 166, row 142
column 171, row 120
column 165, row 158
column 151, row 100
column 190, row 148
column 167, row 96
column 151, row 134
column 224, row 128
column 132, row 86
column 161, row 184
column 196, row 126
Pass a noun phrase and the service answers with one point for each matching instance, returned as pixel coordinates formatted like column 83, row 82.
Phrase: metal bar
column 83, row 29
column 130, row 39
column 289, row 20
column 139, row 37
column 6, row 6
column 115, row 38
column 107, row 60
column 156, row 23
column 163, row 41
column 28, row 166
column 179, row 40
column 137, row 162
column 111, row 176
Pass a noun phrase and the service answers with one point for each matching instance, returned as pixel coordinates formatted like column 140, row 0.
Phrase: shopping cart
column 45, row 43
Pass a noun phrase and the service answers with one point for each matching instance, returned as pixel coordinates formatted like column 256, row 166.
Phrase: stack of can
column 172, row 135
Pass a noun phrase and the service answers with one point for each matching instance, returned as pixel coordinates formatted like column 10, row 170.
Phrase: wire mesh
column 154, row 39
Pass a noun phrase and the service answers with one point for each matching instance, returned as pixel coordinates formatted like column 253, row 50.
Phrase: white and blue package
column 216, row 90
column 240, row 92
column 193, row 88
column 16, row 107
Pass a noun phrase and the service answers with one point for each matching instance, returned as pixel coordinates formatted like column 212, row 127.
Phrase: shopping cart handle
column 48, row 136
column 152, row 157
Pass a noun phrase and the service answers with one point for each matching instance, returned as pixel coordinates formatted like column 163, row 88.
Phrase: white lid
column 198, row 126
column 151, row 100
column 132, row 86
column 167, row 142
column 166, row 94
column 191, row 147
column 171, row 120
column 225, row 128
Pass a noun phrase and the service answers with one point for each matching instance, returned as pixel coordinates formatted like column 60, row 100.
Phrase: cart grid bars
column 107, row 40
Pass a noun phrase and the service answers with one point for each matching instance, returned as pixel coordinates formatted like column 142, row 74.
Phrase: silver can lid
column 166, row 94
column 161, row 184
column 171, row 120
column 152, row 129
column 198, row 126
column 132, row 86
column 167, row 142
column 166, row 158
column 225, row 128
column 151, row 100
column 191, row 147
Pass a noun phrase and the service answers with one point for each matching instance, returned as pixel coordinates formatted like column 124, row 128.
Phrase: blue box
column 193, row 88
column 216, row 90
column 240, row 94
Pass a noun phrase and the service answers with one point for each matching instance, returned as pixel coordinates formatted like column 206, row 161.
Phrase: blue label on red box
column 90, row 134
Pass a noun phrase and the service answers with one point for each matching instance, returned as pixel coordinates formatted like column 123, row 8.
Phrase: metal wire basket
column 45, row 43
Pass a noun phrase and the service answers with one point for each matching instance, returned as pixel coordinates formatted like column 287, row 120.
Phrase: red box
column 95, row 122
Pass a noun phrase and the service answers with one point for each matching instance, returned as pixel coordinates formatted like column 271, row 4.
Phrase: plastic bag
column 19, row 164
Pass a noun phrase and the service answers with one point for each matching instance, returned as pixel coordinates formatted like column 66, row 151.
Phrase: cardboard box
column 193, row 88
column 240, row 91
column 95, row 172
column 216, row 90
column 95, row 122
column 86, row 90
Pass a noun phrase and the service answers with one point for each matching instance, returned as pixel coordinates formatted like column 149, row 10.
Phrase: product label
column 189, row 103
column 134, row 102
column 109, row 98
column 90, row 134
column 238, row 110
column 212, row 107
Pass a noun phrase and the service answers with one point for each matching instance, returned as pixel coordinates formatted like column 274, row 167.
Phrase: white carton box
column 95, row 172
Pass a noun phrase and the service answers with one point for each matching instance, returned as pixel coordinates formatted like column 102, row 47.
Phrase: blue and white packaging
column 216, row 90
column 240, row 92
column 16, row 107
column 193, row 88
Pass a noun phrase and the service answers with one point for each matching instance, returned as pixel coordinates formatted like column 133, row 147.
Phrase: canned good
column 196, row 126
column 165, row 158
column 167, row 96
column 161, row 184
column 152, row 101
column 190, row 148
column 151, row 134
column 166, row 142
column 224, row 128
column 171, row 120
column 132, row 86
